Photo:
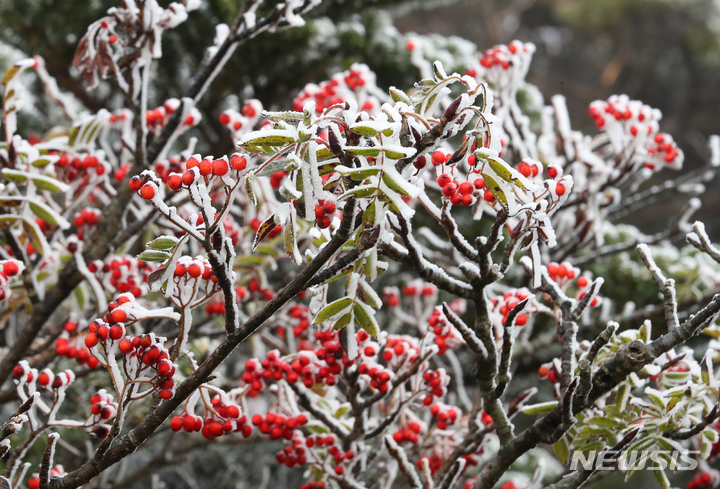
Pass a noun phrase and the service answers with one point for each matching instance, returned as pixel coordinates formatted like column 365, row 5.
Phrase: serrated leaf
column 276, row 166
column 153, row 256
column 334, row 310
column 163, row 243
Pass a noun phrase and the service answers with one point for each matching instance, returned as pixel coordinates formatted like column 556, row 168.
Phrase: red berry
column 443, row 180
column 238, row 162
column 438, row 157
column 91, row 340
column 147, row 191
column 560, row 189
column 176, row 424
column 466, row 188
column 135, row 183
column 10, row 268
column 118, row 316
column 175, row 181
column 220, row 167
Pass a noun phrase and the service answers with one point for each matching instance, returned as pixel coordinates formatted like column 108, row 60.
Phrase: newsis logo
column 639, row 460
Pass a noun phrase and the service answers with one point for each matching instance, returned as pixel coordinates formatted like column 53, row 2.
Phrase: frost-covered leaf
column 540, row 408
column 334, row 310
column 153, row 256
column 164, row 243
column 562, row 451
column 365, row 317
column 47, row 214
column 42, row 182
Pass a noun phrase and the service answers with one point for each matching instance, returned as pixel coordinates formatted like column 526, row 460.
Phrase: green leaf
column 366, row 319
column 504, row 172
column 42, row 182
column 372, row 152
column 367, row 131
column 661, row 478
column 153, row 256
column 334, row 310
column 250, row 188
column 358, row 174
column 47, row 214
column 314, row 426
column 163, row 243
column 562, row 451
column 270, row 140
column 399, row 96
column 276, row 166
column 361, row 192
column 342, row 322
column 495, row 189
column 541, row 408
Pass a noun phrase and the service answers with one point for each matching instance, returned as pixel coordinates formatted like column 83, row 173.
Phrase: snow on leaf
column 334, row 310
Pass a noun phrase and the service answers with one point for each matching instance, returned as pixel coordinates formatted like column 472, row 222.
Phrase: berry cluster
column 242, row 122
column 702, row 481
column 157, row 118
column 351, row 84
column 502, row 305
column 8, row 269
column 277, row 426
column 562, row 273
column 148, row 351
column 630, row 122
column 34, row 481
column 551, row 371
column 88, row 217
column 446, row 415
column 123, row 274
column 409, row 429
column 293, row 455
column 437, row 382
column 69, row 168
column 225, row 419
column 503, row 57
column 446, row 336
column 103, row 409
column 324, row 212
column 73, row 348
column 459, row 193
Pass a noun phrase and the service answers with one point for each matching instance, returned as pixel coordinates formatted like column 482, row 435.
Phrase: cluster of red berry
column 562, row 273
column 245, row 119
column 102, row 406
column 150, row 351
column 550, row 371
column 459, row 193
column 502, row 56
column 69, row 168
column 337, row 90
column 277, row 426
column 446, row 336
column 446, row 415
column 437, row 382
column 72, row 347
column 123, row 274
column 408, row 432
column 702, row 481
column 34, row 481
column 8, row 269
column 157, row 118
column 47, row 379
column 665, row 148
column 504, row 304
column 86, row 217
column 188, row 268
column 324, row 212
column 225, row 419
